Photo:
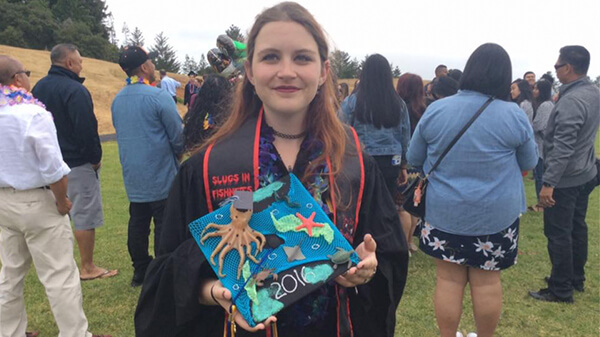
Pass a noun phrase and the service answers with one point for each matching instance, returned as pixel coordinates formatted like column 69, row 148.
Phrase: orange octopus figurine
column 235, row 235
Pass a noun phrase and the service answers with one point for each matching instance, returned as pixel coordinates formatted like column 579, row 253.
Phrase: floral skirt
column 488, row 252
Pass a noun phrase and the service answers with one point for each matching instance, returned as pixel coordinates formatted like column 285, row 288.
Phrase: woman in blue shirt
column 380, row 118
column 475, row 197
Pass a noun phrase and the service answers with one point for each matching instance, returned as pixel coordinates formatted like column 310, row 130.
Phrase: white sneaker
column 471, row 334
column 459, row 334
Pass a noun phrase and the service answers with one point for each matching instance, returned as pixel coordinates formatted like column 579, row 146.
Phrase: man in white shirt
column 33, row 210
column 169, row 84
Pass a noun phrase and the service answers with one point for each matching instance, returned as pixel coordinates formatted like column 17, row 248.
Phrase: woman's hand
column 403, row 177
column 214, row 293
column 366, row 269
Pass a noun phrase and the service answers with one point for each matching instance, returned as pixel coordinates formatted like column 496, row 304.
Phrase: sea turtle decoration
column 342, row 256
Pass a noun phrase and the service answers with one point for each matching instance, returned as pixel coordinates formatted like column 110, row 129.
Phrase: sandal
column 106, row 274
column 536, row 208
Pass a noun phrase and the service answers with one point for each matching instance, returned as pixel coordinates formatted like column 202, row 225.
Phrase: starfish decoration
column 308, row 224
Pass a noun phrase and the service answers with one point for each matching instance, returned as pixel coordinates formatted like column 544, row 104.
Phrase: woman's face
column 514, row 91
column 536, row 92
column 286, row 69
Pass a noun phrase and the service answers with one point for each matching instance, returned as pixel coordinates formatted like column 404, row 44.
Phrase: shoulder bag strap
column 459, row 135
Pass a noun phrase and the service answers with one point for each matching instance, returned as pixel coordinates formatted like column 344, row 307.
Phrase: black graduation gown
column 168, row 305
column 188, row 92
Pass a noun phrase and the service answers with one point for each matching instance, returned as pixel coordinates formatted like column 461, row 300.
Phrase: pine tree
column 137, row 38
column 342, row 65
column 234, row 32
column 395, row 70
column 126, row 35
column 110, row 26
column 166, row 58
column 203, row 67
column 189, row 65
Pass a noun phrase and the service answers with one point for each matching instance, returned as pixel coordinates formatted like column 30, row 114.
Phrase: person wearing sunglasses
column 25, row 72
column 570, row 175
column 34, row 225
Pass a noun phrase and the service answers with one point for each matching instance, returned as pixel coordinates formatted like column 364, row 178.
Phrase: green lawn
column 109, row 304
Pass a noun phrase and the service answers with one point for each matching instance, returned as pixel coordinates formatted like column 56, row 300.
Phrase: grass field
column 110, row 304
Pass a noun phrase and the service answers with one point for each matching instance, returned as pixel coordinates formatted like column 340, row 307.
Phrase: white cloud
column 414, row 35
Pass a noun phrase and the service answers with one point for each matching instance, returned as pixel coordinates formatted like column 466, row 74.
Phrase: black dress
column 168, row 304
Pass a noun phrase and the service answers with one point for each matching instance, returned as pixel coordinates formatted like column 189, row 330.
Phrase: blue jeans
column 538, row 174
column 567, row 233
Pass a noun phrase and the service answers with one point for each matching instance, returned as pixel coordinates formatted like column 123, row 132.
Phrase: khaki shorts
column 84, row 192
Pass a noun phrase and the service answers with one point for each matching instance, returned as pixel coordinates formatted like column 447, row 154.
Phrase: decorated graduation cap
column 272, row 247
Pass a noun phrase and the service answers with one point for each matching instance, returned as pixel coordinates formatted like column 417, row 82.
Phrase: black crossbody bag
column 415, row 192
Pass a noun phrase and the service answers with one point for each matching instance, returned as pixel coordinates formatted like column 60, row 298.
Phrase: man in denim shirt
column 149, row 134
column 569, row 175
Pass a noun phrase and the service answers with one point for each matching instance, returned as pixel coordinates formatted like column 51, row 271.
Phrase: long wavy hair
column 410, row 89
column 321, row 119
column 377, row 102
column 526, row 92
column 545, row 93
column 212, row 100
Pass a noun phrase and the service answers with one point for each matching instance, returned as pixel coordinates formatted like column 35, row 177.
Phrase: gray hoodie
column 569, row 154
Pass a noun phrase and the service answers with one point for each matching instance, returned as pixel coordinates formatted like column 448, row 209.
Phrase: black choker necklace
column 286, row 136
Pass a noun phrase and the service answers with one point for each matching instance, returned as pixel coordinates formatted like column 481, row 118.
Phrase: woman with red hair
column 410, row 89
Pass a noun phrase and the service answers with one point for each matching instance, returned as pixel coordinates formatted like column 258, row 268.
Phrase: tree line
column 344, row 67
column 41, row 24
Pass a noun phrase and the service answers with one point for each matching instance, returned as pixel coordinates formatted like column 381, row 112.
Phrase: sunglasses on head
column 26, row 72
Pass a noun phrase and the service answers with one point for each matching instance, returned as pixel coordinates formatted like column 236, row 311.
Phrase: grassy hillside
column 103, row 80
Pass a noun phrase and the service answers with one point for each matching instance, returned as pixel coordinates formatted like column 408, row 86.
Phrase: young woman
column 472, row 222
column 410, row 89
column 542, row 106
column 207, row 112
column 380, row 118
column 283, row 119
column 525, row 99
column 514, row 90
column 344, row 91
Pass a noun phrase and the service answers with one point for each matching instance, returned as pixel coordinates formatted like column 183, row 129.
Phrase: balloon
column 228, row 58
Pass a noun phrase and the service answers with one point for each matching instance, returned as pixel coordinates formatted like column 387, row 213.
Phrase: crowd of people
column 472, row 133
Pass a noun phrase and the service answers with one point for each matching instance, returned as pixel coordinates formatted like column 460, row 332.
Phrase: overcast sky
column 415, row 35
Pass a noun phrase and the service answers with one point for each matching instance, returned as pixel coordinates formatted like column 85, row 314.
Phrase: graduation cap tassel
column 230, row 327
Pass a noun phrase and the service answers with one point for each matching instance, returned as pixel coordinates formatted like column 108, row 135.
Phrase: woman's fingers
column 221, row 293
column 223, row 296
column 370, row 244
column 241, row 322
column 349, row 281
column 344, row 282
